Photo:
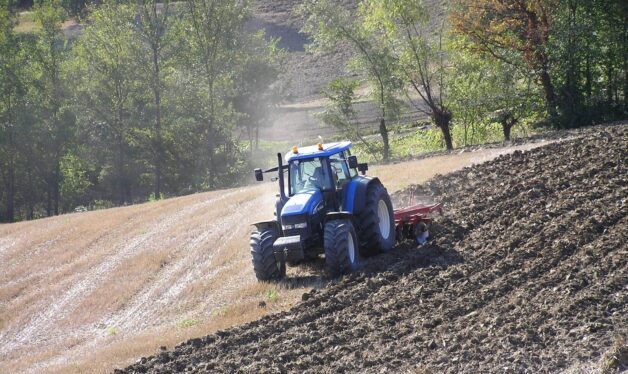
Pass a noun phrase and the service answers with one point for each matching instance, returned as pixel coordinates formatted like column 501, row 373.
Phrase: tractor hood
column 305, row 202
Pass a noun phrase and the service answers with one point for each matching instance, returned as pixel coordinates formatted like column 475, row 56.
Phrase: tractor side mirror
column 259, row 175
column 362, row 168
column 353, row 162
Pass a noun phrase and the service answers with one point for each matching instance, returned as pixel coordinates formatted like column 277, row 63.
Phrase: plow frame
column 412, row 222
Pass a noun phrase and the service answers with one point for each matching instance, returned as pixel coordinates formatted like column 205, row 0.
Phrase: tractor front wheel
column 264, row 263
column 341, row 247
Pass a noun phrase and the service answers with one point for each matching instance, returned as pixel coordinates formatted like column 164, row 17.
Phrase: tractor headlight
column 295, row 226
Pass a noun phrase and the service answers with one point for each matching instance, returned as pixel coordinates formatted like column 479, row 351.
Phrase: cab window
column 339, row 169
column 352, row 172
column 308, row 175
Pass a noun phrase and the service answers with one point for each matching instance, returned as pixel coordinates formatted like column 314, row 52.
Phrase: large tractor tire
column 376, row 222
column 341, row 247
column 264, row 263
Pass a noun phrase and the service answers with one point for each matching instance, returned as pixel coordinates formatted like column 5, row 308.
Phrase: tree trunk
column 383, row 131
column 158, row 138
column 56, row 191
column 506, row 126
column 11, row 190
column 588, row 78
column 442, row 117
column 55, row 181
column 210, row 132
column 10, row 177
column 609, row 87
column 447, row 135
column 121, row 175
column 30, row 200
column 538, row 33
column 210, row 161
column 250, row 136
column 49, row 199
column 550, row 95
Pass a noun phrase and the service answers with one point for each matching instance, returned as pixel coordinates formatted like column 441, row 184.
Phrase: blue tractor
column 328, row 208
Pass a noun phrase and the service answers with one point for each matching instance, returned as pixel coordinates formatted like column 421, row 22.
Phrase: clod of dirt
column 528, row 273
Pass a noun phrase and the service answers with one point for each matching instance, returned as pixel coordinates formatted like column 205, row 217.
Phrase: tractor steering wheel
column 309, row 176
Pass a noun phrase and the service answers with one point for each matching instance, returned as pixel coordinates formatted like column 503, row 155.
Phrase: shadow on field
column 405, row 257
column 309, row 274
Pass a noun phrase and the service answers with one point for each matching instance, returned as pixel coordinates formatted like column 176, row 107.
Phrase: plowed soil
column 88, row 292
column 528, row 272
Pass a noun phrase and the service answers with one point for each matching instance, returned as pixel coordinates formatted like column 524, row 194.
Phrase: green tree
column 158, row 31
column 577, row 49
column 340, row 113
column 330, row 25
column 108, row 93
column 589, row 50
column 12, row 92
column 149, row 97
column 76, row 7
column 418, row 48
column 75, row 181
column 500, row 28
column 483, row 89
column 215, row 41
column 50, row 95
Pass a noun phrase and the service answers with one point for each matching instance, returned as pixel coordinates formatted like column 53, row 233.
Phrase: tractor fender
column 332, row 216
column 354, row 194
column 278, row 207
column 263, row 225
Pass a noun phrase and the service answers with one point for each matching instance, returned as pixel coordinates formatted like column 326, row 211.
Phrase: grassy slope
column 91, row 291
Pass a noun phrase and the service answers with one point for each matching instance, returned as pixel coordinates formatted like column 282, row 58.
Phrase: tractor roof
column 313, row 151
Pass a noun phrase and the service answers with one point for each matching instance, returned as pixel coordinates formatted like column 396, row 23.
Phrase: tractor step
column 288, row 248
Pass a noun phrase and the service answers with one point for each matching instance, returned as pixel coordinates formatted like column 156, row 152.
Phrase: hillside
column 529, row 273
column 91, row 291
column 305, row 74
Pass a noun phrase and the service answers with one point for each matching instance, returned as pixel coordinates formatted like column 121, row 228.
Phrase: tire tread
column 371, row 242
column 263, row 258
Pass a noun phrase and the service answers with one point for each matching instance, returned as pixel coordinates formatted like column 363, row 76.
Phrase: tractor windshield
column 308, row 175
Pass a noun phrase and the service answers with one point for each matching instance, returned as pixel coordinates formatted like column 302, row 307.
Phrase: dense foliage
column 150, row 99
column 576, row 50
column 471, row 64
column 153, row 98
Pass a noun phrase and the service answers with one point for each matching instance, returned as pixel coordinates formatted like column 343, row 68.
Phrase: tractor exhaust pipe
column 282, row 188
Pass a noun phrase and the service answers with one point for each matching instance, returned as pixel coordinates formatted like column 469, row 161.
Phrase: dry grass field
column 88, row 292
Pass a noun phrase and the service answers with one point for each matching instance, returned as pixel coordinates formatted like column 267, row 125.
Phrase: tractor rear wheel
column 376, row 222
column 341, row 247
column 264, row 263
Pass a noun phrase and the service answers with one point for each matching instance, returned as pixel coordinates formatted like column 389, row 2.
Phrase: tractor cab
column 323, row 167
column 325, row 209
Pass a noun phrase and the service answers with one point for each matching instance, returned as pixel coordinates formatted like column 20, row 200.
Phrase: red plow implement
column 412, row 222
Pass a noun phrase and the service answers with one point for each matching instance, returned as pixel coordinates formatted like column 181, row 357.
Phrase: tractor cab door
column 308, row 174
column 314, row 173
column 341, row 174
